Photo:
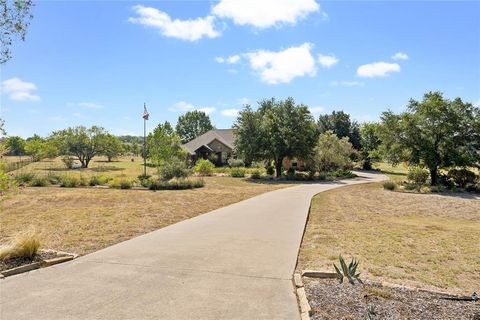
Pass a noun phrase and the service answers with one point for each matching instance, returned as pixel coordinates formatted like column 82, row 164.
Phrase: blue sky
column 98, row 62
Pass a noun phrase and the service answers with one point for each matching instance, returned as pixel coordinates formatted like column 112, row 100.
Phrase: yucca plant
column 350, row 271
column 371, row 313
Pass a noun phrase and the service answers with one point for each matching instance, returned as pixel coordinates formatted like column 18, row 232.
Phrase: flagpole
column 145, row 143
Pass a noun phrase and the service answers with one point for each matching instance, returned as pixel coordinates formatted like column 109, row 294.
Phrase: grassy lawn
column 84, row 220
column 429, row 241
column 98, row 166
column 398, row 172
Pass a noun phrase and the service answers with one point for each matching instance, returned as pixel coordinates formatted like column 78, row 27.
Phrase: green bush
column 322, row 176
column 204, row 167
column 121, row 183
column 461, row 177
column 54, row 179
column 174, row 169
column 237, row 172
column 24, row 178
column 236, row 163
column 39, row 182
column 68, row 161
column 5, row 181
column 270, row 170
column 389, row 185
column 417, row 175
column 99, row 180
column 342, row 173
column 291, row 173
column 69, row 181
column 256, row 174
column 176, row 184
column 303, row 176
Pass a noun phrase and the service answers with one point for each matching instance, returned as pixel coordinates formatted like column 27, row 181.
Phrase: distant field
column 84, row 220
column 98, row 166
column 398, row 172
column 424, row 240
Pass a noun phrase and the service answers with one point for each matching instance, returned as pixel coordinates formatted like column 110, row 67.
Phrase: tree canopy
column 435, row 132
column 332, row 153
column 81, row 142
column 15, row 16
column 341, row 125
column 39, row 148
column 164, row 144
column 278, row 129
column 15, row 145
column 193, row 124
column 112, row 147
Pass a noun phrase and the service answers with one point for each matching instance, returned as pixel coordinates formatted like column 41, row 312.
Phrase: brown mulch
column 17, row 262
column 331, row 300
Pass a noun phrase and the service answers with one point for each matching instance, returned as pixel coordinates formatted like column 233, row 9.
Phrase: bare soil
column 17, row 262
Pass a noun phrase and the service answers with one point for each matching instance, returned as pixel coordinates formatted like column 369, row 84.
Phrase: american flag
column 145, row 112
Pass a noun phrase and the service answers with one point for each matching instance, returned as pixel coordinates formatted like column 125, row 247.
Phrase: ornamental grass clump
column 349, row 272
column 23, row 245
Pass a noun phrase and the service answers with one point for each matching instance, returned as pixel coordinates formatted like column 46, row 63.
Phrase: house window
column 294, row 164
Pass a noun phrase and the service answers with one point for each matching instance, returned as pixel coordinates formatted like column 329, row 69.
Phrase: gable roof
column 225, row 136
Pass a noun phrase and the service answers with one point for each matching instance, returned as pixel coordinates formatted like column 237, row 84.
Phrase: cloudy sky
column 98, row 62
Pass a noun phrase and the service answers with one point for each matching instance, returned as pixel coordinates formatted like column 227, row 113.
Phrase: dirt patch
column 18, row 262
column 331, row 300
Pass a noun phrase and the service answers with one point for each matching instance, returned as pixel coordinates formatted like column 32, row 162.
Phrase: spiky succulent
column 350, row 271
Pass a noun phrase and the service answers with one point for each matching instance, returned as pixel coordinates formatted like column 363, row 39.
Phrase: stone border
column 60, row 258
column 302, row 300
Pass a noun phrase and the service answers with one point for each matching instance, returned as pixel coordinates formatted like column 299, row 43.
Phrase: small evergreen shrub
column 5, row 182
column 237, row 172
column 270, row 170
column 322, row 176
column 98, row 180
column 303, row 176
column 390, row 185
column 291, row 173
column 236, row 163
column 69, row 181
column 417, row 175
column 54, row 179
column 174, row 169
column 461, row 177
column 204, row 167
column 343, row 173
column 24, row 178
column 177, row 184
column 256, row 174
column 121, row 183
column 39, row 182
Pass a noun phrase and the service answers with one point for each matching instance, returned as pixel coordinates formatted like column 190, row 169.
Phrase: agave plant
column 350, row 271
column 371, row 313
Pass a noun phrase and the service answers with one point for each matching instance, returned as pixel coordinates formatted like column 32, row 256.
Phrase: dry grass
column 84, row 220
column 431, row 241
column 24, row 244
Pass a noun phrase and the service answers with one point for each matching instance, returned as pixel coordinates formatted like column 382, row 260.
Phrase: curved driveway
column 231, row 263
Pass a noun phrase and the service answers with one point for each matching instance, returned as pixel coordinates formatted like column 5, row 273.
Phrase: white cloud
column 283, row 66
column 400, row 56
column 90, row 105
column 316, row 110
column 327, row 61
column 19, row 90
column 190, row 30
column 207, row 110
column 183, row 106
column 243, row 101
column 265, row 13
column 346, row 83
column 230, row 112
column 230, row 60
column 377, row 69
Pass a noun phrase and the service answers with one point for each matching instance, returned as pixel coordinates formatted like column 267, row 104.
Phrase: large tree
column 370, row 142
column 39, row 148
column 284, row 129
column 15, row 16
column 81, row 142
column 193, row 124
column 164, row 145
column 341, row 125
column 15, row 145
column 435, row 132
column 112, row 147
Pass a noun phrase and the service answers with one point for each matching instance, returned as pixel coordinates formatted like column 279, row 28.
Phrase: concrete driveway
column 232, row 263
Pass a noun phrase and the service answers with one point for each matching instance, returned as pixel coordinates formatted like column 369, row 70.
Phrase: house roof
column 225, row 136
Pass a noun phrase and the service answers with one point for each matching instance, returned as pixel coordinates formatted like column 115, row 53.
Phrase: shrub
column 332, row 153
column 350, row 271
column 69, row 181
column 5, row 182
column 24, row 245
column 291, row 173
column 174, row 169
column 256, row 174
column 98, row 180
column 204, row 167
column 237, row 172
column 303, row 176
column 24, row 178
column 322, row 176
column 40, row 182
column 121, row 183
column 461, row 177
column 270, row 170
column 236, row 163
column 68, row 162
column 417, row 175
column 389, row 185
column 177, row 184
column 54, row 179
column 343, row 173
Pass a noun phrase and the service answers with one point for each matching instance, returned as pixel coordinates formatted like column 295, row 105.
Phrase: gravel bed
column 331, row 300
column 17, row 262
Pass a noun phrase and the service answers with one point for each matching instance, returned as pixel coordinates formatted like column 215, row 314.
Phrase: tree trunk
column 434, row 176
column 278, row 167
